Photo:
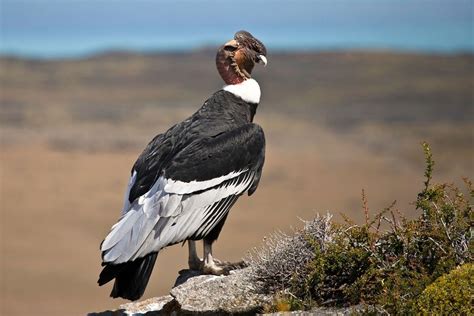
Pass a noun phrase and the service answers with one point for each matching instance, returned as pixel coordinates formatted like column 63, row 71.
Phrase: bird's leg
column 210, row 266
column 194, row 262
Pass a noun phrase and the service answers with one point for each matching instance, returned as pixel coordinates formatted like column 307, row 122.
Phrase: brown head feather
column 235, row 59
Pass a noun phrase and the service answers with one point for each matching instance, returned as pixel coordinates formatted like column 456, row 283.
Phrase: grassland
column 335, row 123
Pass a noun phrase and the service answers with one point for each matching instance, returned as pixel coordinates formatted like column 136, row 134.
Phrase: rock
column 201, row 294
column 232, row 294
column 154, row 304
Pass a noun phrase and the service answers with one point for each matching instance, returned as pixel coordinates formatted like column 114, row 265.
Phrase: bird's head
column 236, row 58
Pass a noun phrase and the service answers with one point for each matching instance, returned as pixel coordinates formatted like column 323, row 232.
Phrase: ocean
column 55, row 28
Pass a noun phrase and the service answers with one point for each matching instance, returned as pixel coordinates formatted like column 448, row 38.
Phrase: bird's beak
column 262, row 59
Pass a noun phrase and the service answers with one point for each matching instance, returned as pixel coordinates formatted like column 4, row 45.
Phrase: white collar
column 248, row 90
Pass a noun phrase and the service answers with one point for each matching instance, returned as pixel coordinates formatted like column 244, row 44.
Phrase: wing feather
column 181, row 187
column 126, row 202
column 218, row 214
column 160, row 218
column 182, row 191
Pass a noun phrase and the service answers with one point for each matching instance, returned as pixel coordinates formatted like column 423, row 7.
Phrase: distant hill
column 335, row 88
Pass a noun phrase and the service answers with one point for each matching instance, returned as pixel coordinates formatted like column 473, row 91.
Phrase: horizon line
column 211, row 49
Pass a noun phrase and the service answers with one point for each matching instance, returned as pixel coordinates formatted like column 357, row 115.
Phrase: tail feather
column 131, row 278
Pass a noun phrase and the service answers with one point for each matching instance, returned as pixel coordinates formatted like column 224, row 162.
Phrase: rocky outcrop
column 151, row 306
column 196, row 294
column 202, row 294
column 272, row 268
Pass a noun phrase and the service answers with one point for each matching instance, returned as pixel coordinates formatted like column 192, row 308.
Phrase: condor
column 184, row 183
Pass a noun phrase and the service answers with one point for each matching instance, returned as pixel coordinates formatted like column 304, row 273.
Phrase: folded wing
column 189, row 197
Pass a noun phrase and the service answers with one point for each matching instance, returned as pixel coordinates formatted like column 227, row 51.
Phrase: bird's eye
column 230, row 48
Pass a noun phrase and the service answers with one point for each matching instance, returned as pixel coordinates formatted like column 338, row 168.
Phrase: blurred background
column 351, row 89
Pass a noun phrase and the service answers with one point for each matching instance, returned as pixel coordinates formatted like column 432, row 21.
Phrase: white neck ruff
column 248, row 90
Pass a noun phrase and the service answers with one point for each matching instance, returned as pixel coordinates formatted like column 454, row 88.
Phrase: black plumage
column 218, row 139
column 186, row 180
column 131, row 278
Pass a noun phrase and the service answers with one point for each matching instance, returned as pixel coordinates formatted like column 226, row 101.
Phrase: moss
column 450, row 294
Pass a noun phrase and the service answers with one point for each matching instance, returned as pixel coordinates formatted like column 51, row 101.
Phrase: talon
column 213, row 269
column 218, row 262
column 211, row 265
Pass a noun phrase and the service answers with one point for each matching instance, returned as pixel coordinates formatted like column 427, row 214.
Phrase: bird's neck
column 229, row 68
column 248, row 90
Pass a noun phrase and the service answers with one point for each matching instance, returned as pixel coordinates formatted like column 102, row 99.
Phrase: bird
column 184, row 183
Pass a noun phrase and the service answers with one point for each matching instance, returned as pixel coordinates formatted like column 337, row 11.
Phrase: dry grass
column 284, row 260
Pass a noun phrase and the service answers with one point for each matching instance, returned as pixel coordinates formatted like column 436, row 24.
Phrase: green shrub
column 450, row 294
column 336, row 265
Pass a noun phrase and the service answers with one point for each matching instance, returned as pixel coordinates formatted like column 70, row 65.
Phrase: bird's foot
column 218, row 267
column 213, row 268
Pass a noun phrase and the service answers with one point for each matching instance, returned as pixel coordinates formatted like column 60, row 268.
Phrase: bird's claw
column 218, row 267
column 214, row 269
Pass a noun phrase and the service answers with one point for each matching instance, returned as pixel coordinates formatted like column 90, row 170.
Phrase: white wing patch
column 169, row 213
column 180, row 187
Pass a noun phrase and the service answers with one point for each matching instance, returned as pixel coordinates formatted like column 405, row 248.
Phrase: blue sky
column 58, row 28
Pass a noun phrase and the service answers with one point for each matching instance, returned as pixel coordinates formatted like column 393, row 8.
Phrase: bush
column 450, row 294
column 326, row 264
column 285, row 260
